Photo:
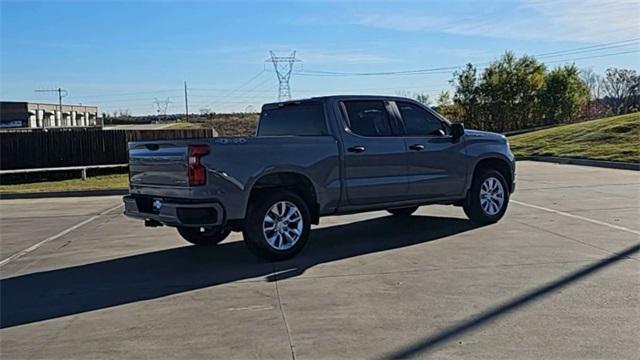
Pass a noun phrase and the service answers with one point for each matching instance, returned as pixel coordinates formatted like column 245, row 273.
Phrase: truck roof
column 338, row 97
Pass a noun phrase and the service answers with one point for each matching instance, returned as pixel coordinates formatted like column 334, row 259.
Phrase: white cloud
column 590, row 20
column 344, row 57
column 403, row 22
column 574, row 20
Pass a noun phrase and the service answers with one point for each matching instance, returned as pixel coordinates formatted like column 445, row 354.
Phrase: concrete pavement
column 556, row 278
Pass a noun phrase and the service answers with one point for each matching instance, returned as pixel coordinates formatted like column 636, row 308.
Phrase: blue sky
column 123, row 54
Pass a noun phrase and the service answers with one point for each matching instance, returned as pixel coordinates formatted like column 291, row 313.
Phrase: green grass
column 102, row 182
column 614, row 138
column 186, row 126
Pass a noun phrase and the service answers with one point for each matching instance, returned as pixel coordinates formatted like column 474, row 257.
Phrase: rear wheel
column 277, row 225
column 406, row 211
column 211, row 236
column 488, row 197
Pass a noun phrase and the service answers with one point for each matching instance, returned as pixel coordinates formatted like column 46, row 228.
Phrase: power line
column 591, row 47
column 439, row 70
column 588, row 51
column 128, row 94
column 220, row 104
column 303, row 90
column 244, row 84
column 191, row 94
column 595, row 56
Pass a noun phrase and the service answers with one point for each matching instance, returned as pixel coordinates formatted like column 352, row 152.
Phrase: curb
column 585, row 162
column 58, row 194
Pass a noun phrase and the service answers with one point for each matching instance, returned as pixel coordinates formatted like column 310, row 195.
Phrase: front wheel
column 211, row 236
column 277, row 225
column 488, row 197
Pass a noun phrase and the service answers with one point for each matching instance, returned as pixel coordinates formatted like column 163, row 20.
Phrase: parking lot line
column 617, row 227
column 56, row 236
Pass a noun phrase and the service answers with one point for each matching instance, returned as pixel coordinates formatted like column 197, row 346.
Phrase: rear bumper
column 174, row 212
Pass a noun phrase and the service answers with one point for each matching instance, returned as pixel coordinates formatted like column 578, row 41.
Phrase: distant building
column 14, row 114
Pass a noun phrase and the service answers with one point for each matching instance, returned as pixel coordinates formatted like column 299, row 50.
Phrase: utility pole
column 61, row 93
column 186, row 101
column 283, row 66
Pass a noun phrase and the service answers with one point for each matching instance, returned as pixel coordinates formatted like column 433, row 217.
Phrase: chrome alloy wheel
column 282, row 225
column 491, row 196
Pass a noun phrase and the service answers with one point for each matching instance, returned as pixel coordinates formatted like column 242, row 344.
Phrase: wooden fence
column 27, row 149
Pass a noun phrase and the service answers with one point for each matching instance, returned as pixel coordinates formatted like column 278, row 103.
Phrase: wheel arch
column 291, row 180
column 497, row 163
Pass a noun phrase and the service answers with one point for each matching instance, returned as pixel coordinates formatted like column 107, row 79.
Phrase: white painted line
column 252, row 308
column 622, row 228
column 56, row 236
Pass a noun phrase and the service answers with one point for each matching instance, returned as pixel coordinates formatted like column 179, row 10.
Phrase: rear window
column 295, row 119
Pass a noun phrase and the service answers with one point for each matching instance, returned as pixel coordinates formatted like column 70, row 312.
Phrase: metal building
column 15, row 114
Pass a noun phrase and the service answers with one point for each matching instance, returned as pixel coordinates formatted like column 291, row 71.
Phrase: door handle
column 356, row 149
column 417, row 147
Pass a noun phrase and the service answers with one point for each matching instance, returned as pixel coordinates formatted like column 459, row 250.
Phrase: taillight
column 197, row 172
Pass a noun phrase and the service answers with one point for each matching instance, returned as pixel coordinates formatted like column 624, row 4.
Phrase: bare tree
column 419, row 97
column 423, row 98
column 592, row 81
column 622, row 90
column 403, row 93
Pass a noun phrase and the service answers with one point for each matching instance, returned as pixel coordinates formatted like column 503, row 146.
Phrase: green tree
column 467, row 97
column 447, row 108
column 504, row 97
column 563, row 95
column 509, row 89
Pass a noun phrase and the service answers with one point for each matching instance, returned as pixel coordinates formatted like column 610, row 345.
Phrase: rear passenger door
column 374, row 157
column 436, row 166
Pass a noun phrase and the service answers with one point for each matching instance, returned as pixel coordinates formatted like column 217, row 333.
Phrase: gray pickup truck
column 317, row 157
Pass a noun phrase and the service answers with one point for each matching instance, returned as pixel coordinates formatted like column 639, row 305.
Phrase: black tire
column 406, row 211
column 208, row 237
column 472, row 205
column 254, row 236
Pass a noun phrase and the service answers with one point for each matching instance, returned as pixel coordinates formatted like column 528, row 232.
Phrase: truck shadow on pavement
column 51, row 294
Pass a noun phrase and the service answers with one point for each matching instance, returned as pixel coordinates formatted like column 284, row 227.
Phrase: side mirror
column 457, row 130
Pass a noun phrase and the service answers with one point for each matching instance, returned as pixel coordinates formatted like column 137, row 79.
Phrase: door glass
column 368, row 118
column 419, row 122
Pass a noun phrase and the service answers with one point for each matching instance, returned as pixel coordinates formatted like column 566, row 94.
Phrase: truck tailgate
column 158, row 163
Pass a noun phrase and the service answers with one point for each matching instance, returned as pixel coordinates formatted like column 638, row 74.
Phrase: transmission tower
column 283, row 66
column 161, row 106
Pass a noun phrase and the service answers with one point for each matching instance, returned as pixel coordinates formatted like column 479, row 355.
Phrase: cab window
column 367, row 118
column 419, row 122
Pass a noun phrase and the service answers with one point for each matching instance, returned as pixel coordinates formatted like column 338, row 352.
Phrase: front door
column 436, row 166
column 374, row 159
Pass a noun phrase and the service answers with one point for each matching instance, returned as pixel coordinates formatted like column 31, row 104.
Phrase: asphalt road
column 557, row 278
